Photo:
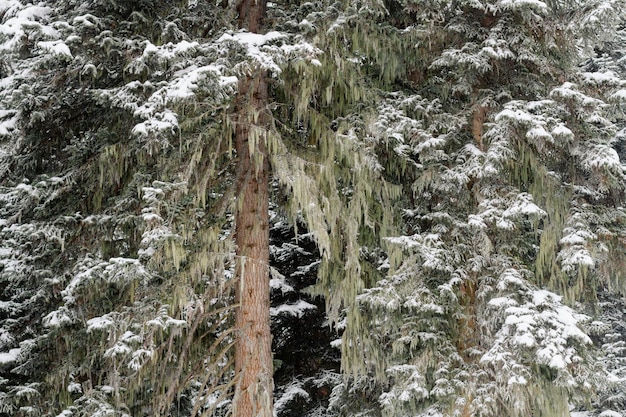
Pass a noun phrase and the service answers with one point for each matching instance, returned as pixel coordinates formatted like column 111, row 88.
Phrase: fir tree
column 507, row 150
column 456, row 167
column 140, row 184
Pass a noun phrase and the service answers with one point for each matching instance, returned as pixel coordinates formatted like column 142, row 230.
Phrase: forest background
column 431, row 191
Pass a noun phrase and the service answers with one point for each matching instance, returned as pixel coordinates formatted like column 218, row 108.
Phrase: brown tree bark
column 253, row 350
column 251, row 14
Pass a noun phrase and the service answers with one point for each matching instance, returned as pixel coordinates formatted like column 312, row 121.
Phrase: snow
column 147, row 252
column 186, row 81
column 562, row 131
column 253, row 44
column 168, row 51
column 619, row 95
column 305, row 269
column 413, row 303
column 7, row 125
column 522, row 315
column 10, row 356
column 118, row 349
column 57, row 318
column 296, row 309
column 556, row 361
column 17, row 19
column 541, row 324
column 99, row 323
column 130, row 337
column 602, row 156
column 139, row 358
column 25, row 16
column 152, row 194
column 577, row 235
column 497, row 51
column 517, row 380
column 164, row 322
column 523, row 205
column 610, row 413
column 404, row 241
column 502, row 301
column 575, row 256
column 115, row 271
column 107, row 389
column 166, row 121
column 97, row 219
column 153, row 237
column 514, row 115
column 292, row 392
column 431, row 143
column 412, row 385
column 6, row 338
column 543, row 296
column 156, row 114
column 510, row 278
column 151, row 218
column 228, row 81
column 505, row 224
column 252, row 40
column 568, row 91
column 602, row 78
column 6, row 5
column 280, row 284
column 86, row 20
column 522, row 5
column 57, row 48
column 539, row 133
column 476, row 221
column 158, row 118
column 74, row 388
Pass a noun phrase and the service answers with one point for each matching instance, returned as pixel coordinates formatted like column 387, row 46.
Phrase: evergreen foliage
column 448, row 176
column 306, row 370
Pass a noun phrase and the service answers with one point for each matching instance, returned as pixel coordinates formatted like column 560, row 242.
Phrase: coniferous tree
column 508, row 150
column 306, row 366
column 467, row 134
column 132, row 145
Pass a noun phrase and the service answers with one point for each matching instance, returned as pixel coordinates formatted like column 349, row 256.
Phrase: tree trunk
column 253, row 351
column 251, row 14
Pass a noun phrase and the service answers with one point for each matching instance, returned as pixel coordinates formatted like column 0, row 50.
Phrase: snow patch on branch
column 56, row 48
column 523, row 5
column 541, row 323
column 254, row 44
column 297, row 309
column 10, row 356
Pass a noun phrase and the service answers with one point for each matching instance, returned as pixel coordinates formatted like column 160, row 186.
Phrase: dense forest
column 352, row 208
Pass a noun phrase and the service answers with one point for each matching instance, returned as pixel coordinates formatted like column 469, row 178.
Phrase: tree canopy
column 445, row 205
